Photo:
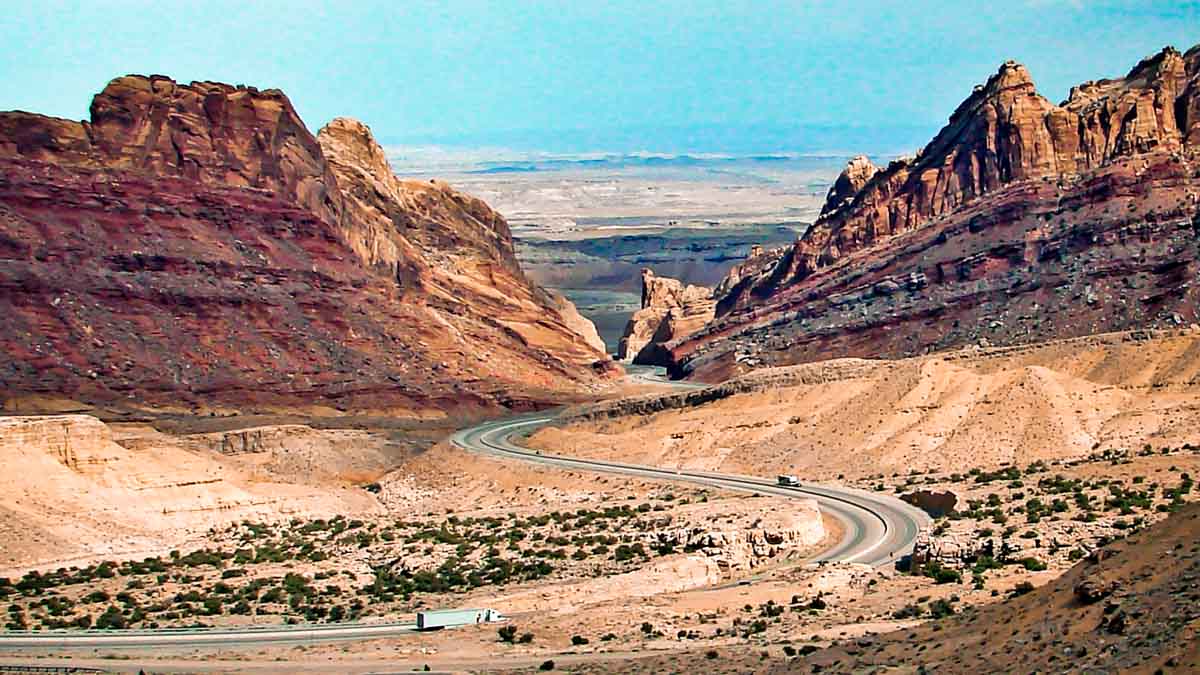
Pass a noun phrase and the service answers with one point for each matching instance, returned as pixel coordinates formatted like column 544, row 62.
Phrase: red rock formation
column 858, row 172
column 1015, row 194
column 670, row 311
column 194, row 245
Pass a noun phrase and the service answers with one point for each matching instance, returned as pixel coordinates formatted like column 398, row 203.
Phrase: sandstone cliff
column 195, row 245
column 1021, row 220
column 670, row 311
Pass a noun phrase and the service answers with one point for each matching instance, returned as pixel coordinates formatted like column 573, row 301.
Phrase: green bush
column 941, row 575
column 1032, row 564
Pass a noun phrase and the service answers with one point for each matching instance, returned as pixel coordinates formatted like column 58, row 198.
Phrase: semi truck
column 788, row 480
column 449, row 618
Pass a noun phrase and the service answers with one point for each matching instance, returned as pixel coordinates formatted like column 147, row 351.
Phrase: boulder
column 936, row 503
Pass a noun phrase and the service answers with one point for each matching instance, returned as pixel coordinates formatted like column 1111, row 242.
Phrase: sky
column 578, row 75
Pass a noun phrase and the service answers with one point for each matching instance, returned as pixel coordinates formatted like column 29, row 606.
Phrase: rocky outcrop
column 194, row 245
column 80, row 443
column 937, row 503
column 858, row 172
column 745, row 541
column 1054, row 545
column 388, row 216
column 670, row 311
column 254, row 440
column 578, row 323
column 1020, row 221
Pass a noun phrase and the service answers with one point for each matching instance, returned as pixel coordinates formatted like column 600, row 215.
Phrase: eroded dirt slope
column 948, row 412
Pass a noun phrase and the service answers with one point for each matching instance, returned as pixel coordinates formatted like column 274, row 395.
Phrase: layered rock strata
column 1021, row 221
column 670, row 311
column 196, row 246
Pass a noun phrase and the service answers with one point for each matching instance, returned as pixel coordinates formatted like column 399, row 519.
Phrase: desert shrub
column 940, row 608
column 1032, row 564
column 112, row 618
column 908, row 611
column 940, row 574
column 1022, row 588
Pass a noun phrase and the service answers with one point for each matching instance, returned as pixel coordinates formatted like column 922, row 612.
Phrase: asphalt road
column 876, row 529
column 199, row 637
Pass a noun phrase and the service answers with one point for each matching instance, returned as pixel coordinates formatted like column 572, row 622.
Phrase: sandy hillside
column 73, row 491
column 944, row 412
column 1133, row 609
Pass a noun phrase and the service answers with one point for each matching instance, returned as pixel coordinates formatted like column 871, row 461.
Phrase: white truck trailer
column 449, row 618
column 788, row 481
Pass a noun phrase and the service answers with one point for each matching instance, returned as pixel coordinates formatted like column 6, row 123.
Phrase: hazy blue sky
column 567, row 75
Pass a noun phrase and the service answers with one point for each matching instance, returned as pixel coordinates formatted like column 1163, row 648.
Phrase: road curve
column 877, row 528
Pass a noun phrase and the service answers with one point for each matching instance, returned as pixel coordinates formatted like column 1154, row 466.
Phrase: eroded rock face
column 194, row 245
column 1020, row 221
column 1054, row 545
column 1004, row 133
column 670, row 311
column 858, row 172
column 743, row 541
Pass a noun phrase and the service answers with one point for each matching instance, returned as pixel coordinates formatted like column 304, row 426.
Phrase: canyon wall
column 1020, row 221
column 195, row 246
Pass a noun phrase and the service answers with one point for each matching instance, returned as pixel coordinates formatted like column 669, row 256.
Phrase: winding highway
column 876, row 529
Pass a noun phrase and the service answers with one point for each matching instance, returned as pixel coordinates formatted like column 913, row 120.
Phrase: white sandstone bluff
column 747, row 533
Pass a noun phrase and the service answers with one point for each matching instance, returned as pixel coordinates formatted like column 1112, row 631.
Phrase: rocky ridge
column 195, row 246
column 1020, row 221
